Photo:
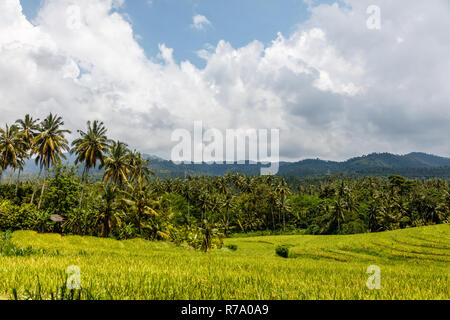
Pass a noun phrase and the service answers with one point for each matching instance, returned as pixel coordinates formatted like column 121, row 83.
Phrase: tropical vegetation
column 129, row 201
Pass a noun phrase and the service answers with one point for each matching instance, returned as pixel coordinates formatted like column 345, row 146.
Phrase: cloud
column 335, row 88
column 200, row 22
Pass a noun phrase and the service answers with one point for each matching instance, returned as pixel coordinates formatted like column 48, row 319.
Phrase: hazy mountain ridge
column 414, row 164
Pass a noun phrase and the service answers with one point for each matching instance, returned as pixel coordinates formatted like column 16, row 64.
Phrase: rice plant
column 414, row 265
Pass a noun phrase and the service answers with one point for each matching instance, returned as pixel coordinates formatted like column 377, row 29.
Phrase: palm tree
column 48, row 146
column 337, row 216
column 210, row 232
column 141, row 200
column 273, row 201
column 283, row 192
column 110, row 193
column 28, row 128
column 12, row 148
column 116, row 164
column 139, row 167
column 189, row 195
column 373, row 211
column 228, row 205
column 205, row 202
column 90, row 148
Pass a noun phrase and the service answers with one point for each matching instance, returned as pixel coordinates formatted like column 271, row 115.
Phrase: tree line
column 129, row 201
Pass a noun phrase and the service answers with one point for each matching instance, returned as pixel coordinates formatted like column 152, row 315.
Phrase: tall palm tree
column 139, row 166
column 28, row 128
column 90, row 148
column 273, row 202
column 116, row 164
column 337, row 215
column 21, row 166
column 109, row 196
column 48, row 146
column 205, row 202
column 141, row 201
column 283, row 192
column 228, row 204
column 12, row 148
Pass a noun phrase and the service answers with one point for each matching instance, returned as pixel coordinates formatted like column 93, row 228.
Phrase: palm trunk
column 273, row 219
column 43, row 189
column 139, row 222
column 279, row 215
column 189, row 214
column 106, row 228
column 83, row 180
column 18, row 181
column 35, row 186
column 11, row 176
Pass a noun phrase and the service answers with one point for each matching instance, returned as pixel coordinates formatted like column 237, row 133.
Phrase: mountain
column 387, row 160
column 412, row 165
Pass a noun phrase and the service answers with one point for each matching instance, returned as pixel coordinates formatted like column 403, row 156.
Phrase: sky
column 172, row 22
column 334, row 85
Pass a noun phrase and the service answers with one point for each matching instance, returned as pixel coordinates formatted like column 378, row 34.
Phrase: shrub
column 17, row 194
column 63, row 192
column 283, row 251
column 232, row 247
column 24, row 217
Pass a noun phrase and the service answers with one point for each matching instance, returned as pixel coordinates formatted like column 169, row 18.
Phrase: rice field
column 414, row 264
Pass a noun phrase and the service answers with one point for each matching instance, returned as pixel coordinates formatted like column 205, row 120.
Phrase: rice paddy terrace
column 414, row 264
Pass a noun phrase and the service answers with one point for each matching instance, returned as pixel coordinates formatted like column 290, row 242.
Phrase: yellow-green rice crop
column 414, row 265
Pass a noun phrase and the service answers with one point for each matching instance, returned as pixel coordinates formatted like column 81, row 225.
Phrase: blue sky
column 334, row 86
column 236, row 21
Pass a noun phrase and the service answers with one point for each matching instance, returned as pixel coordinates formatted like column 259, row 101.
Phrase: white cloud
column 200, row 22
column 333, row 87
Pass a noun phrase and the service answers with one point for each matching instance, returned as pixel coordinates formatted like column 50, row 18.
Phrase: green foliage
column 161, row 209
column 283, row 251
column 14, row 217
column 63, row 191
column 199, row 210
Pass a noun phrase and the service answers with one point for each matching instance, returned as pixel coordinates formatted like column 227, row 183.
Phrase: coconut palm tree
column 12, row 148
column 110, row 193
column 337, row 215
column 273, row 202
column 28, row 128
column 141, row 201
column 139, row 167
column 48, row 146
column 91, row 147
column 282, row 190
column 116, row 164
column 228, row 204
column 21, row 166
column 210, row 231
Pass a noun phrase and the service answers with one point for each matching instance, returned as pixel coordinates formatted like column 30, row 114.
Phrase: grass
column 414, row 265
